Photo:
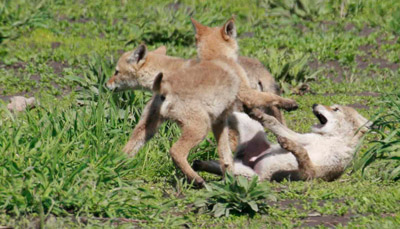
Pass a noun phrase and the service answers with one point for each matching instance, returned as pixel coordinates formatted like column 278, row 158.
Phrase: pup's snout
column 314, row 106
column 110, row 85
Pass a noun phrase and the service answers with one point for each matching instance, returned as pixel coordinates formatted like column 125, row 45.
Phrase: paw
column 284, row 142
column 128, row 150
column 257, row 113
column 289, row 105
column 199, row 182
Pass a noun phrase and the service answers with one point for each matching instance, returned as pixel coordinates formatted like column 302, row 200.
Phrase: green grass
column 62, row 165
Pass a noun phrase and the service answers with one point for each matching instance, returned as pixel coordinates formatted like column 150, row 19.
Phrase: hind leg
column 272, row 124
column 221, row 133
column 306, row 167
column 253, row 98
column 192, row 134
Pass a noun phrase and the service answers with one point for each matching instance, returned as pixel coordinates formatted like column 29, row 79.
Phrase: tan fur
column 259, row 77
column 198, row 96
column 219, row 43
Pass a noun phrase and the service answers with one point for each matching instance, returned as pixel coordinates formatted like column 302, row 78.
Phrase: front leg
column 193, row 132
column 271, row 123
column 147, row 126
column 306, row 167
column 221, row 133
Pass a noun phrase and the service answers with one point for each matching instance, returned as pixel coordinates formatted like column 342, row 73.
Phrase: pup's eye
column 335, row 109
column 116, row 72
column 162, row 97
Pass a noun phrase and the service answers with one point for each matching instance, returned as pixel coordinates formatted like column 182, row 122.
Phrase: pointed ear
column 228, row 31
column 161, row 50
column 139, row 54
column 157, row 82
column 198, row 28
column 365, row 124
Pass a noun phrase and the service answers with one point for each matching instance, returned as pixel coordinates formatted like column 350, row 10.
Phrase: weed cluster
column 386, row 146
column 236, row 195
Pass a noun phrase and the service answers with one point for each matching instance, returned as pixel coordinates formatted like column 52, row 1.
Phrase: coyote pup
column 324, row 153
column 197, row 96
column 259, row 78
column 219, row 44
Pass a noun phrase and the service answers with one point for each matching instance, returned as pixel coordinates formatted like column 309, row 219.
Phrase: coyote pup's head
column 214, row 42
column 136, row 69
column 339, row 120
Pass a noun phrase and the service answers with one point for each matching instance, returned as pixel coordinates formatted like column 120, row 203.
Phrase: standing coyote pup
column 197, row 96
column 219, row 44
column 324, row 153
column 158, row 61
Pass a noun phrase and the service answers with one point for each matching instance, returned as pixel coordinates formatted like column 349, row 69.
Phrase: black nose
column 314, row 105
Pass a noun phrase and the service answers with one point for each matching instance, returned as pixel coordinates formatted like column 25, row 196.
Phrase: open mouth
column 320, row 117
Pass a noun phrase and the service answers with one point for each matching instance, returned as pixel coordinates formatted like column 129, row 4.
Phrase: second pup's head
column 214, row 42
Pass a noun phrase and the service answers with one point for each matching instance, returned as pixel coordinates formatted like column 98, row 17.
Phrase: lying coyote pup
column 323, row 153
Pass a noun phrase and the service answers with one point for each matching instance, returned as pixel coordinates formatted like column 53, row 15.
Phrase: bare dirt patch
column 286, row 204
column 35, row 78
column 380, row 41
column 55, row 45
column 315, row 218
column 74, row 20
column 366, row 31
column 15, row 66
column 325, row 25
column 177, row 6
column 349, row 26
column 302, row 28
column 358, row 106
column 364, row 61
column 330, row 221
column 335, row 71
column 366, row 48
column 58, row 67
column 364, row 93
column 7, row 98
